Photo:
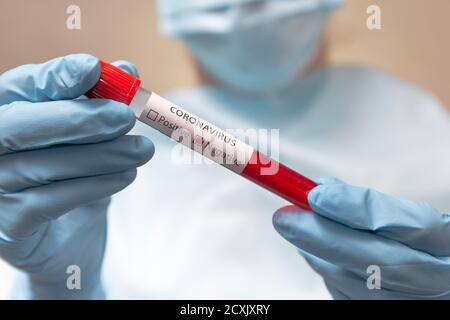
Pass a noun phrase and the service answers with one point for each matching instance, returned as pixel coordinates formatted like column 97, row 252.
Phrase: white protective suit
column 200, row 231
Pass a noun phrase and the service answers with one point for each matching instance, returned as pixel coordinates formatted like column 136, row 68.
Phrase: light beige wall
column 35, row 30
column 413, row 43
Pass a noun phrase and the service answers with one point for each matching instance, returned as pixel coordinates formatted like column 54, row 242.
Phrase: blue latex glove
column 60, row 160
column 354, row 228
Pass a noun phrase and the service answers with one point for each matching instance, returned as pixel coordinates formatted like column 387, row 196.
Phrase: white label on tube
column 192, row 131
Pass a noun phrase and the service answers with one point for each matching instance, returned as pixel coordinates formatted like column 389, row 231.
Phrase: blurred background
column 412, row 43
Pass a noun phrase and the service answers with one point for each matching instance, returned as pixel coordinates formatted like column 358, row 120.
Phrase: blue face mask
column 253, row 45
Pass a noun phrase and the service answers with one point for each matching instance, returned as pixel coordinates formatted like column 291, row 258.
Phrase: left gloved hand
column 61, row 158
column 356, row 228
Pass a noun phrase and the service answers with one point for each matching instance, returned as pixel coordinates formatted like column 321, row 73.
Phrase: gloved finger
column 62, row 78
column 335, row 293
column 343, row 284
column 417, row 225
column 26, row 126
column 355, row 250
column 127, row 67
column 334, row 276
column 21, row 214
column 24, row 170
column 74, row 225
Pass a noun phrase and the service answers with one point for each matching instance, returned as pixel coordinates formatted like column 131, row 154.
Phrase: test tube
column 201, row 136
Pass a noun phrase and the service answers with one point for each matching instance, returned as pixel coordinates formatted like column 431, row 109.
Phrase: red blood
column 284, row 182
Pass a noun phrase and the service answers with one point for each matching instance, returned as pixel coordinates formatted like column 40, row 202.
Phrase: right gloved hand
column 370, row 245
column 60, row 160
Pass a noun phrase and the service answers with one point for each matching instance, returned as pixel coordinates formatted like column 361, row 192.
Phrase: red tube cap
column 114, row 84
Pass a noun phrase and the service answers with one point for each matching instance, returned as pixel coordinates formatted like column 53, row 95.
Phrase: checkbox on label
column 152, row 115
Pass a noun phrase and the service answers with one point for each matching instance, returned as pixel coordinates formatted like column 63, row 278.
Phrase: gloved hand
column 354, row 228
column 60, row 160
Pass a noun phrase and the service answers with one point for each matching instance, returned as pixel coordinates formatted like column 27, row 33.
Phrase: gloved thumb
column 415, row 224
column 126, row 66
column 62, row 78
